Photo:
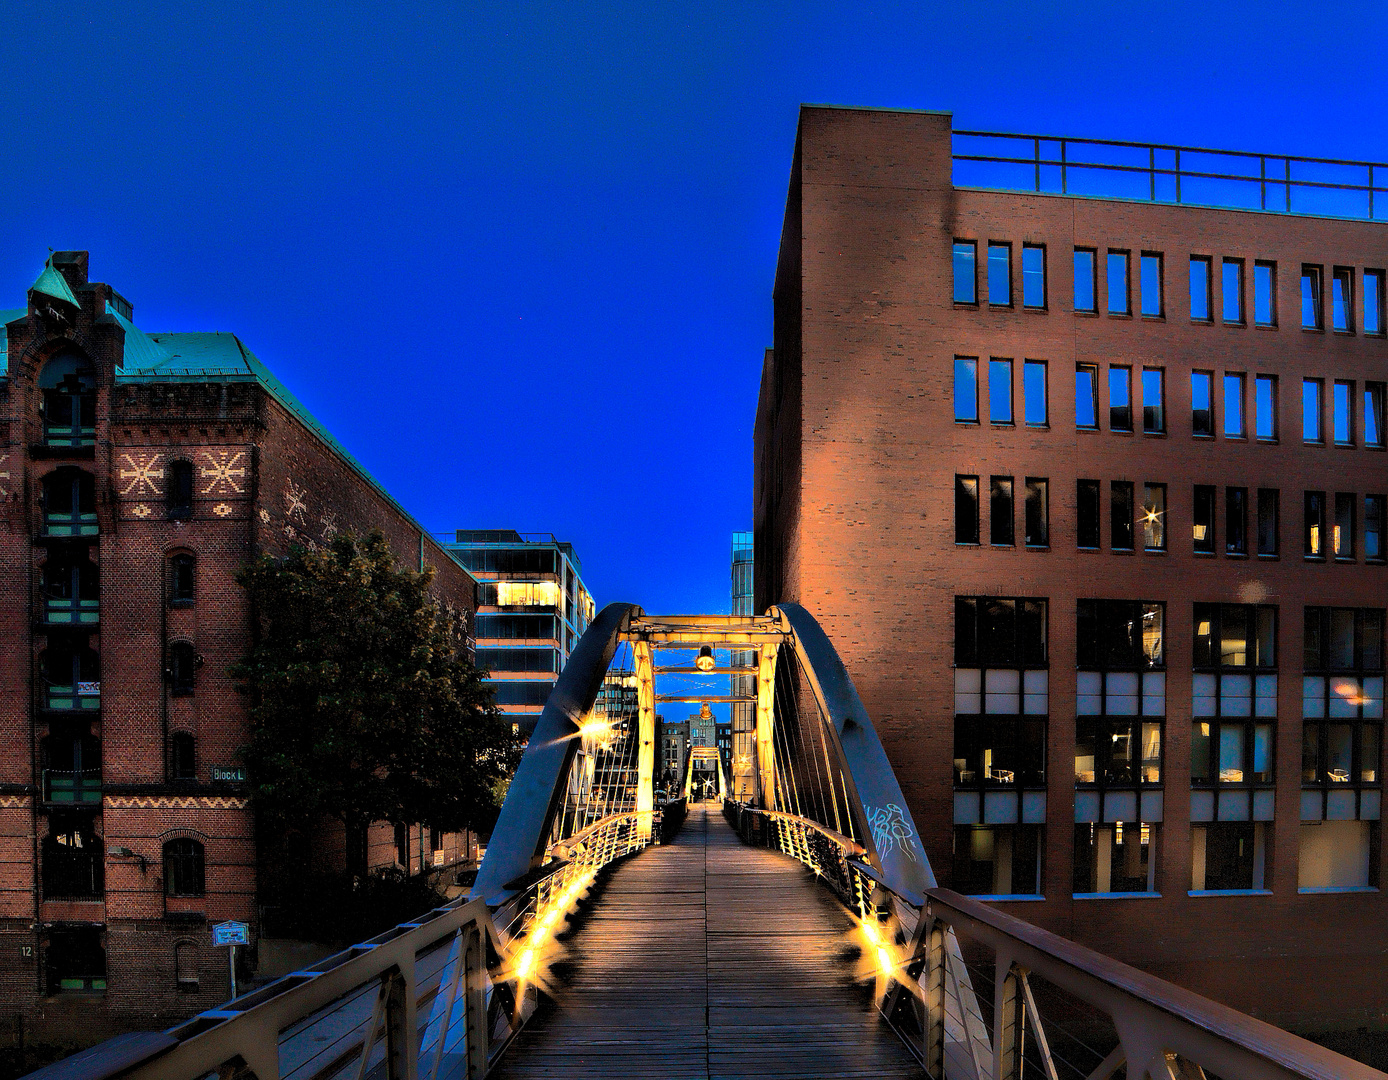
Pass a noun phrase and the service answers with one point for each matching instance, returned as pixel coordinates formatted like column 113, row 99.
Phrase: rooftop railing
column 1184, row 175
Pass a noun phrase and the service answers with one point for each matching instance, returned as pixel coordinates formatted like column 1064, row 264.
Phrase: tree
column 364, row 704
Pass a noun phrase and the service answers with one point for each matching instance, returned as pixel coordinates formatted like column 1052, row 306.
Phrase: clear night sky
column 519, row 257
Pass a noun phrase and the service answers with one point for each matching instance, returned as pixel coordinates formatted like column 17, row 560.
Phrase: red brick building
column 1089, row 491
column 138, row 472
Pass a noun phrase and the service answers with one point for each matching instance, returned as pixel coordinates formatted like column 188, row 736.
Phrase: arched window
column 72, row 673
column 182, row 661
column 181, row 578
column 180, row 490
column 71, row 591
column 184, row 868
column 68, row 383
column 69, row 503
column 186, row 967
column 182, row 764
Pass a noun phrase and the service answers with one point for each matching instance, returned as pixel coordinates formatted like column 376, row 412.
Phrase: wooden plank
column 706, row 958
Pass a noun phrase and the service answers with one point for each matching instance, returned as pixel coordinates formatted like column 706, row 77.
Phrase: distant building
column 532, row 607
column 725, row 745
column 674, row 747
column 740, row 761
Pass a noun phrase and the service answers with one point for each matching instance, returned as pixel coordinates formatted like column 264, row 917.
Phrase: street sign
column 227, row 773
column 231, row 933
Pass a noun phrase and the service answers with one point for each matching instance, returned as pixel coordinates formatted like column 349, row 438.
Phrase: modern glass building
column 532, row 607
column 740, row 758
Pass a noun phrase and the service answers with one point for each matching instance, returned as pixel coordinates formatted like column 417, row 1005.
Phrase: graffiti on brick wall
column 142, row 474
column 224, row 472
column 4, row 476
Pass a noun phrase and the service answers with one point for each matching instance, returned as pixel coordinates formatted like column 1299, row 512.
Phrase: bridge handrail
column 1169, row 1017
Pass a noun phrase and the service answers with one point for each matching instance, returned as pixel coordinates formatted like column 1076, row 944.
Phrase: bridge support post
column 1009, row 1034
column 474, row 960
column 766, row 719
column 645, row 754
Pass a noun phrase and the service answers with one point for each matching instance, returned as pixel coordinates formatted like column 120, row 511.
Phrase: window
column 965, row 273
column 1038, row 512
column 1087, row 396
column 1200, row 288
column 68, row 385
column 1268, row 526
column 1265, row 294
column 1086, row 287
column 1265, row 407
column 966, row 389
column 1233, row 406
column 1229, row 856
column 1204, row 531
column 182, row 763
column 1342, row 413
column 72, row 672
column 1235, row 521
column 1373, row 301
column 1373, row 528
column 1153, row 401
column 1154, row 517
column 73, row 862
column 1311, row 298
column 1373, row 415
column 1034, row 393
column 71, row 591
column 1312, row 390
column 1115, row 858
column 1120, row 405
column 519, row 660
column 181, row 578
column 1202, row 403
column 1313, row 525
column 182, row 661
column 186, row 967
column 1000, row 527
column 1121, row 515
column 71, row 758
column 966, row 509
column 1232, row 270
column 1234, row 636
column 69, row 503
column 1087, row 513
column 1337, row 856
column 1118, row 283
column 75, row 960
column 999, row 274
column 180, row 496
column 1152, row 293
column 1342, row 537
column 998, row 860
column 1033, row 276
column 999, row 391
column 1001, row 703
column 1342, row 299
column 1342, row 710
column 184, row 871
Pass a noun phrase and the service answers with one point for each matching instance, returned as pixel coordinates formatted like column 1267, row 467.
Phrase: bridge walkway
column 706, row 958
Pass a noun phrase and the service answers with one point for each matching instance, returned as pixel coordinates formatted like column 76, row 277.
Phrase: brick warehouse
column 137, row 474
column 1099, row 480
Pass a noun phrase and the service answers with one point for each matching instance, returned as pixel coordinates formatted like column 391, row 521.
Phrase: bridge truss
column 975, row 993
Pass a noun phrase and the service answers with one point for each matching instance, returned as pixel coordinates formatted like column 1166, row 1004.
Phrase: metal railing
column 1159, row 173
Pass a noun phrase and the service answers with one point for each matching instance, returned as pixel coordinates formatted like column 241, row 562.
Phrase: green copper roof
column 51, row 283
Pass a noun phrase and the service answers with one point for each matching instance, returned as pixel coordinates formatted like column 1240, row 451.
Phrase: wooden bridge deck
column 709, row 959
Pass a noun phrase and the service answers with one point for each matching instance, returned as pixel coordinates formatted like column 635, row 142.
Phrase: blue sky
column 518, row 257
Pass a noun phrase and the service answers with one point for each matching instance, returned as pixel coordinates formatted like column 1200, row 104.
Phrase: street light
column 705, row 661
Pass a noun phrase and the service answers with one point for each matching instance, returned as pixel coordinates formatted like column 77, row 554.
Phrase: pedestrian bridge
column 794, row 931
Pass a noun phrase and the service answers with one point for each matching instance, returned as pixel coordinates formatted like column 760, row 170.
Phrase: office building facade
column 742, row 733
column 532, row 607
column 138, row 473
column 1088, row 491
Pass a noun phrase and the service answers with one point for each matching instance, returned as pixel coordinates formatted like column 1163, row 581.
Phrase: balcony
column 72, row 787
column 72, row 873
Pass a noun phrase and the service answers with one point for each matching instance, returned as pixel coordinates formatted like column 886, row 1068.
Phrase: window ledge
column 1229, row 892
column 1154, row 434
column 1116, row 896
column 1154, row 318
column 1038, row 547
column 1036, row 310
column 1201, row 435
column 965, row 423
column 180, row 603
column 1264, row 326
column 1319, row 889
column 1009, row 898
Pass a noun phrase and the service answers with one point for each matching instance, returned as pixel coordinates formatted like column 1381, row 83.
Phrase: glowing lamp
column 705, row 661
